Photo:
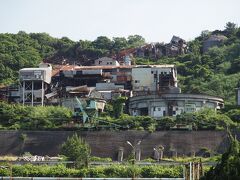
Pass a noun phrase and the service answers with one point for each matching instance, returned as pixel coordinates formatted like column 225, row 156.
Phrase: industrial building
column 33, row 84
column 158, row 105
column 152, row 89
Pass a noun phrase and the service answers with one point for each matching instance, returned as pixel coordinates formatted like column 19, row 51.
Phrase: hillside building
column 106, row 61
column 213, row 40
column 171, row 104
column 152, row 89
column 34, row 83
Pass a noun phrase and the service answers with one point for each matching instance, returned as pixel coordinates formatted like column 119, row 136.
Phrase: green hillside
column 215, row 72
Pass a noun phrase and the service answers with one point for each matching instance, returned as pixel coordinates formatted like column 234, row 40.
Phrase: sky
column 155, row 20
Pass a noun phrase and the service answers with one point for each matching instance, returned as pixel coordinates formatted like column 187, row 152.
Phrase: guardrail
column 97, row 163
column 62, row 178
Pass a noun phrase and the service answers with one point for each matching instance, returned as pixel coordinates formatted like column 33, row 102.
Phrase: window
column 159, row 109
column 137, row 81
column 190, row 107
column 110, row 62
column 99, row 62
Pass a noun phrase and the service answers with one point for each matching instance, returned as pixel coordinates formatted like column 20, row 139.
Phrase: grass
column 8, row 158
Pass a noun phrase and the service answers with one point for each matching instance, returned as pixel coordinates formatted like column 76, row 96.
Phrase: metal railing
column 63, row 178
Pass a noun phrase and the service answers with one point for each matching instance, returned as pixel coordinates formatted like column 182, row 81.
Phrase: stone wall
column 107, row 143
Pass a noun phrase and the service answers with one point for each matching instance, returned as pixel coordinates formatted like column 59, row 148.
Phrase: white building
column 153, row 77
column 106, row 61
column 34, row 82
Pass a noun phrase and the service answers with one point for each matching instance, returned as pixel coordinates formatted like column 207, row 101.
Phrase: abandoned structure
column 171, row 104
column 33, row 84
column 106, row 61
column 213, row 40
column 176, row 46
column 156, row 93
column 159, row 78
column 152, row 89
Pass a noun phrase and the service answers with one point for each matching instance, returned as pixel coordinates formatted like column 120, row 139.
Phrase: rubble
column 38, row 158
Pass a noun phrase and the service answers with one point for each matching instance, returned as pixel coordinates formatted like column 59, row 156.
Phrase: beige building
column 153, row 77
column 106, row 61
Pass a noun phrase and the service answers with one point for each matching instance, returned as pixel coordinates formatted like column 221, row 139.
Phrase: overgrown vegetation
column 117, row 171
column 16, row 116
column 215, row 72
column 205, row 119
column 76, row 149
column 229, row 165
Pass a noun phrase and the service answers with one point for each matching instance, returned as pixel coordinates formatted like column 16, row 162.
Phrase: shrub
column 99, row 159
column 76, row 149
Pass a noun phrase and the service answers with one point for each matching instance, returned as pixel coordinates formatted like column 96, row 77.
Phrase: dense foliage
column 229, row 165
column 121, row 171
column 16, row 116
column 205, row 119
column 28, row 50
column 76, row 149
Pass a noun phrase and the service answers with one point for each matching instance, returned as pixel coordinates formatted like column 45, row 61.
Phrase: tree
column 231, row 28
column 76, row 149
column 102, row 42
column 235, row 66
column 205, row 34
column 229, row 165
column 118, row 106
column 119, row 43
column 136, row 40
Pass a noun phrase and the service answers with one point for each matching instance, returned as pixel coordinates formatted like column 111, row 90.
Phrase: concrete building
column 34, row 83
column 159, row 78
column 213, row 40
column 156, row 93
column 170, row 104
column 106, row 61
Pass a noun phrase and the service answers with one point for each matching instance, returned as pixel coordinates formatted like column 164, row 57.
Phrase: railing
column 62, row 178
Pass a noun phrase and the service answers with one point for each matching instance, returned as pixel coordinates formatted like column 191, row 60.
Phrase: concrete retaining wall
column 107, row 143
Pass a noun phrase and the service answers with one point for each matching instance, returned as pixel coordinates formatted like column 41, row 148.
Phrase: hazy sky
column 155, row 20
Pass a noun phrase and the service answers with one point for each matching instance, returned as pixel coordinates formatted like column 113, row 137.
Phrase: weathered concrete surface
column 107, row 143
